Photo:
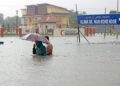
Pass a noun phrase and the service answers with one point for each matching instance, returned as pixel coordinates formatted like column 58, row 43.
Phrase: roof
column 30, row 5
column 46, row 19
column 46, row 4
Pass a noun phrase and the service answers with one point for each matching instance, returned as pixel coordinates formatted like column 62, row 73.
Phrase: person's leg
column 34, row 50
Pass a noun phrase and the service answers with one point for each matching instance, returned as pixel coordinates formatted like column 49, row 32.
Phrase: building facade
column 44, row 16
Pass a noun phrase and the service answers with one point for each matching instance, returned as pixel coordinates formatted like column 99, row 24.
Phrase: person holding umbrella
column 49, row 48
column 39, row 48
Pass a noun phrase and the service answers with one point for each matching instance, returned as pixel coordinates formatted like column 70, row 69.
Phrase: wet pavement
column 72, row 64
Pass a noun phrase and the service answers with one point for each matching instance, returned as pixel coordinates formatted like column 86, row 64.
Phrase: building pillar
column 1, row 32
column 20, row 32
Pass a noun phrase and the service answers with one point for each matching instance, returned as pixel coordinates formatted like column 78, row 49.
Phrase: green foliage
column 73, row 21
column 11, row 22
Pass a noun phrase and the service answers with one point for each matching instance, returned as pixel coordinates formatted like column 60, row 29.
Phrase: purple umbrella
column 35, row 37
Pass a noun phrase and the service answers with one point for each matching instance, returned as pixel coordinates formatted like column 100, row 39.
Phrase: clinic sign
column 103, row 19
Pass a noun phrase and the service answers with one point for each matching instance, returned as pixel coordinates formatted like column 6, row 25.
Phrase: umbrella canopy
column 35, row 37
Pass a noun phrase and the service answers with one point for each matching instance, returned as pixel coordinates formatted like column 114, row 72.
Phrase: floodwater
column 72, row 64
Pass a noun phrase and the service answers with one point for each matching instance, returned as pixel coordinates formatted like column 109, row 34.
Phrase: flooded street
column 72, row 64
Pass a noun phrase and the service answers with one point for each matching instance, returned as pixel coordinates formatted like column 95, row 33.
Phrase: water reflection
column 42, row 58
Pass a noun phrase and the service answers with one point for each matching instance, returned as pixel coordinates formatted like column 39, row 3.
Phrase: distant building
column 45, row 16
column 113, row 12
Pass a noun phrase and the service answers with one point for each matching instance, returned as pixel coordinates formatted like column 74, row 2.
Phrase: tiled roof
column 50, row 19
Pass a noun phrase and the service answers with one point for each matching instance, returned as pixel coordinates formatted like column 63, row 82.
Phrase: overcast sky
column 9, row 7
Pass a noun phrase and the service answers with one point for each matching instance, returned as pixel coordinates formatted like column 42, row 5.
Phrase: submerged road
column 71, row 64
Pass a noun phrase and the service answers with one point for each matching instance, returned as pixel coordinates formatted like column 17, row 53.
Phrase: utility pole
column 16, row 19
column 105, row 27
column 77, row 25
column 117, row 13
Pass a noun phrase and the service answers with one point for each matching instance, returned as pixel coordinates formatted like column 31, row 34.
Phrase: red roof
column 49, row 19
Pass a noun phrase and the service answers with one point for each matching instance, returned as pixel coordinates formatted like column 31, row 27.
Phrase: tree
column 73, row 19
column 11, row 21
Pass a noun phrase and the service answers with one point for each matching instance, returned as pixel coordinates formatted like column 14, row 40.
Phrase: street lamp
column 117, row 6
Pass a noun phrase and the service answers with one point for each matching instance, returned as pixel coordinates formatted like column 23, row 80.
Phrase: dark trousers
column 34, row 51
